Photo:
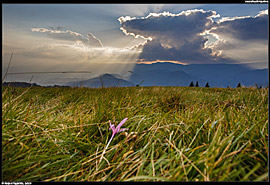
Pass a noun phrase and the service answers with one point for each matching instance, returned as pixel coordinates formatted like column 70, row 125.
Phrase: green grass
column 179, row 134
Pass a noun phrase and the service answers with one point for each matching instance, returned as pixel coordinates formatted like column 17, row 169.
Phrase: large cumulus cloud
column 184, row 37
column 172, row 36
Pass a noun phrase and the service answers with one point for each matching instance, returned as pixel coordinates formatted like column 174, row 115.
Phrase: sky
column 113, row 38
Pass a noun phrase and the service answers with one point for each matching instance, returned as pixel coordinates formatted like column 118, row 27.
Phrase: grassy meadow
column 175, row 134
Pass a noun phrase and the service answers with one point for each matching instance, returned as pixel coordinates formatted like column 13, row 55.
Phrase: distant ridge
column 217, row 75
column 26, row 84
column 163, row 78
column 171, row 74
column 20, row 84
column 105, row 80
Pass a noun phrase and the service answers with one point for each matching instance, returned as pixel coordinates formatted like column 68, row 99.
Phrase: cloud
column 69, row 53
column 245, row 39
column 172, row 36
column 166, row 26
column 189, row 52
column 86, row 49
column 243, row 28
column 93, row 41
column 68, row 35
column 193, row 36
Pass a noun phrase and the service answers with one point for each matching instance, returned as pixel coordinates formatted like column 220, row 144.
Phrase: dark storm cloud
column 172, row 36
column 167, row 27
column 243, row 28
column 244, row 39
column 188, row 52
column 182, row 37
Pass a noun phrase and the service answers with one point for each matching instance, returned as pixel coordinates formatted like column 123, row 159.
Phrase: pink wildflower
column 115, row 131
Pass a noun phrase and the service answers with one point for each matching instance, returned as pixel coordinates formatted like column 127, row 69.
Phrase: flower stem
column 108, row 143
column 105, row 148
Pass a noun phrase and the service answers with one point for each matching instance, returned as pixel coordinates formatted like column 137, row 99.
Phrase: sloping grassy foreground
column 179, row 134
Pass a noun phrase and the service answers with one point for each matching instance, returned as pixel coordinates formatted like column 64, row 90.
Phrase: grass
column 175, row 134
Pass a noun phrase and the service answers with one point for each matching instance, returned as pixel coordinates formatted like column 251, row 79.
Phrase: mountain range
column 170, row 74
column 105, row 80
